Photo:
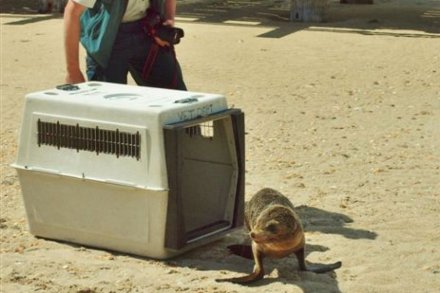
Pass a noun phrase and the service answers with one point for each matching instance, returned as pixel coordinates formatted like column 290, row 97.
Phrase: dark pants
column 129, row 54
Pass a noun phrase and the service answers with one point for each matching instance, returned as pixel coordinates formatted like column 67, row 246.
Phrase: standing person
column 114, row 36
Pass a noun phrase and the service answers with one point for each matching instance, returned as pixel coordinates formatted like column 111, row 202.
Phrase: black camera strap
column 151, row 59
column 149, row 62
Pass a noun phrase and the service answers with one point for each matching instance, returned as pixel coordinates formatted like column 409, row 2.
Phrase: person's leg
column 129, row 53
column 93, row 70
column 165, row 71
column 117, row 69
column 115, row 72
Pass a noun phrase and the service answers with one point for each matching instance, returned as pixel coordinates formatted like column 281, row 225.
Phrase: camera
column 153, row 26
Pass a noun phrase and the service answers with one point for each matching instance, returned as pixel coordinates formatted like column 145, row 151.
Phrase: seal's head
column 278, row 230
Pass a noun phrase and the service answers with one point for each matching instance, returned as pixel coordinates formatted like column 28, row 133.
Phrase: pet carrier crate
column 140, row 170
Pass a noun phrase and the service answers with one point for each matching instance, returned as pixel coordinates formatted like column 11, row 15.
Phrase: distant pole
column 308, row 10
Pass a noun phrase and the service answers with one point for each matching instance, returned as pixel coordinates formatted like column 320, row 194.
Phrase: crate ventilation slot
column 89, row 139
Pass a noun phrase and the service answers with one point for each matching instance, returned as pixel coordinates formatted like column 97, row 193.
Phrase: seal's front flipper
column 316, row 268
column 241, row 250
column 257, row 274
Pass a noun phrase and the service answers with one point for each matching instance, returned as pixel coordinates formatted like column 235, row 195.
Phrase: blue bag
column 99, row 27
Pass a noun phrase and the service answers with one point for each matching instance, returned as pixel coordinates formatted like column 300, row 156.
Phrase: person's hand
column 75, row 77
column 168, row 22
column 160, row 42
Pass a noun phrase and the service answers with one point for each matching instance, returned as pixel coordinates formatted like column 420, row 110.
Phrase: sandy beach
column 343, row 117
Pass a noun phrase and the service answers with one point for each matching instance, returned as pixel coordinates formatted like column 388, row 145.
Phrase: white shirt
column 135, row 8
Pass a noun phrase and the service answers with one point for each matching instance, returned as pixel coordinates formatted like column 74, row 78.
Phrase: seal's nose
column 252, row 234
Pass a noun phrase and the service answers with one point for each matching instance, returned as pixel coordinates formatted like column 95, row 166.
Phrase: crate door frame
column 176, row 235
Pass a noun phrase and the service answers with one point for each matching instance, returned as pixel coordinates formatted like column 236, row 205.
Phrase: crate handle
column 68, row 87
column 186, row 101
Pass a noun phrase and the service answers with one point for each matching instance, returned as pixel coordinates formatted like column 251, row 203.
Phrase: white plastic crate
column 147, row 171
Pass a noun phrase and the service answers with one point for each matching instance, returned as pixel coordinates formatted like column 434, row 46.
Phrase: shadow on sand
column 421, row 18
column 318, row 220
column 26, row 9
column 215, row 256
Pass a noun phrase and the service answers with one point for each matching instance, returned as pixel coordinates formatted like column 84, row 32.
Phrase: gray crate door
column 205, row 166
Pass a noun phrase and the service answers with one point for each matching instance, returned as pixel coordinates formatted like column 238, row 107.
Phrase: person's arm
column 170, row 12
column 72, row 31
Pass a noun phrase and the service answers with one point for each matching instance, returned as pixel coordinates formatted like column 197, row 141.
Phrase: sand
column 343, row 117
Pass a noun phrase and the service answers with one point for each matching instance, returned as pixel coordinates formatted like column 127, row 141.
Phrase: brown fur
column 276, row 231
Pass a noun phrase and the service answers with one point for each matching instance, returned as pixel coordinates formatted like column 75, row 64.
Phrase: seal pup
column 276, row 231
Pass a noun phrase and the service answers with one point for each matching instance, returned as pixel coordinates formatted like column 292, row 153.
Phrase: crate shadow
column 216, row 257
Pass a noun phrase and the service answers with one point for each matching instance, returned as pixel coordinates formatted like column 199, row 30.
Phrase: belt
column 130, row 27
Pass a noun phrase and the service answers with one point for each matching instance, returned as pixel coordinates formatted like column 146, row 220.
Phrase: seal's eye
column 272, row 228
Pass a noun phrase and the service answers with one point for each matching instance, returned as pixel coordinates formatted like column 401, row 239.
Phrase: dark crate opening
column 205, row 163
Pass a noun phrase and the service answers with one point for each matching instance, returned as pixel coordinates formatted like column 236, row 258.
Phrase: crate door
column 205, row 168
